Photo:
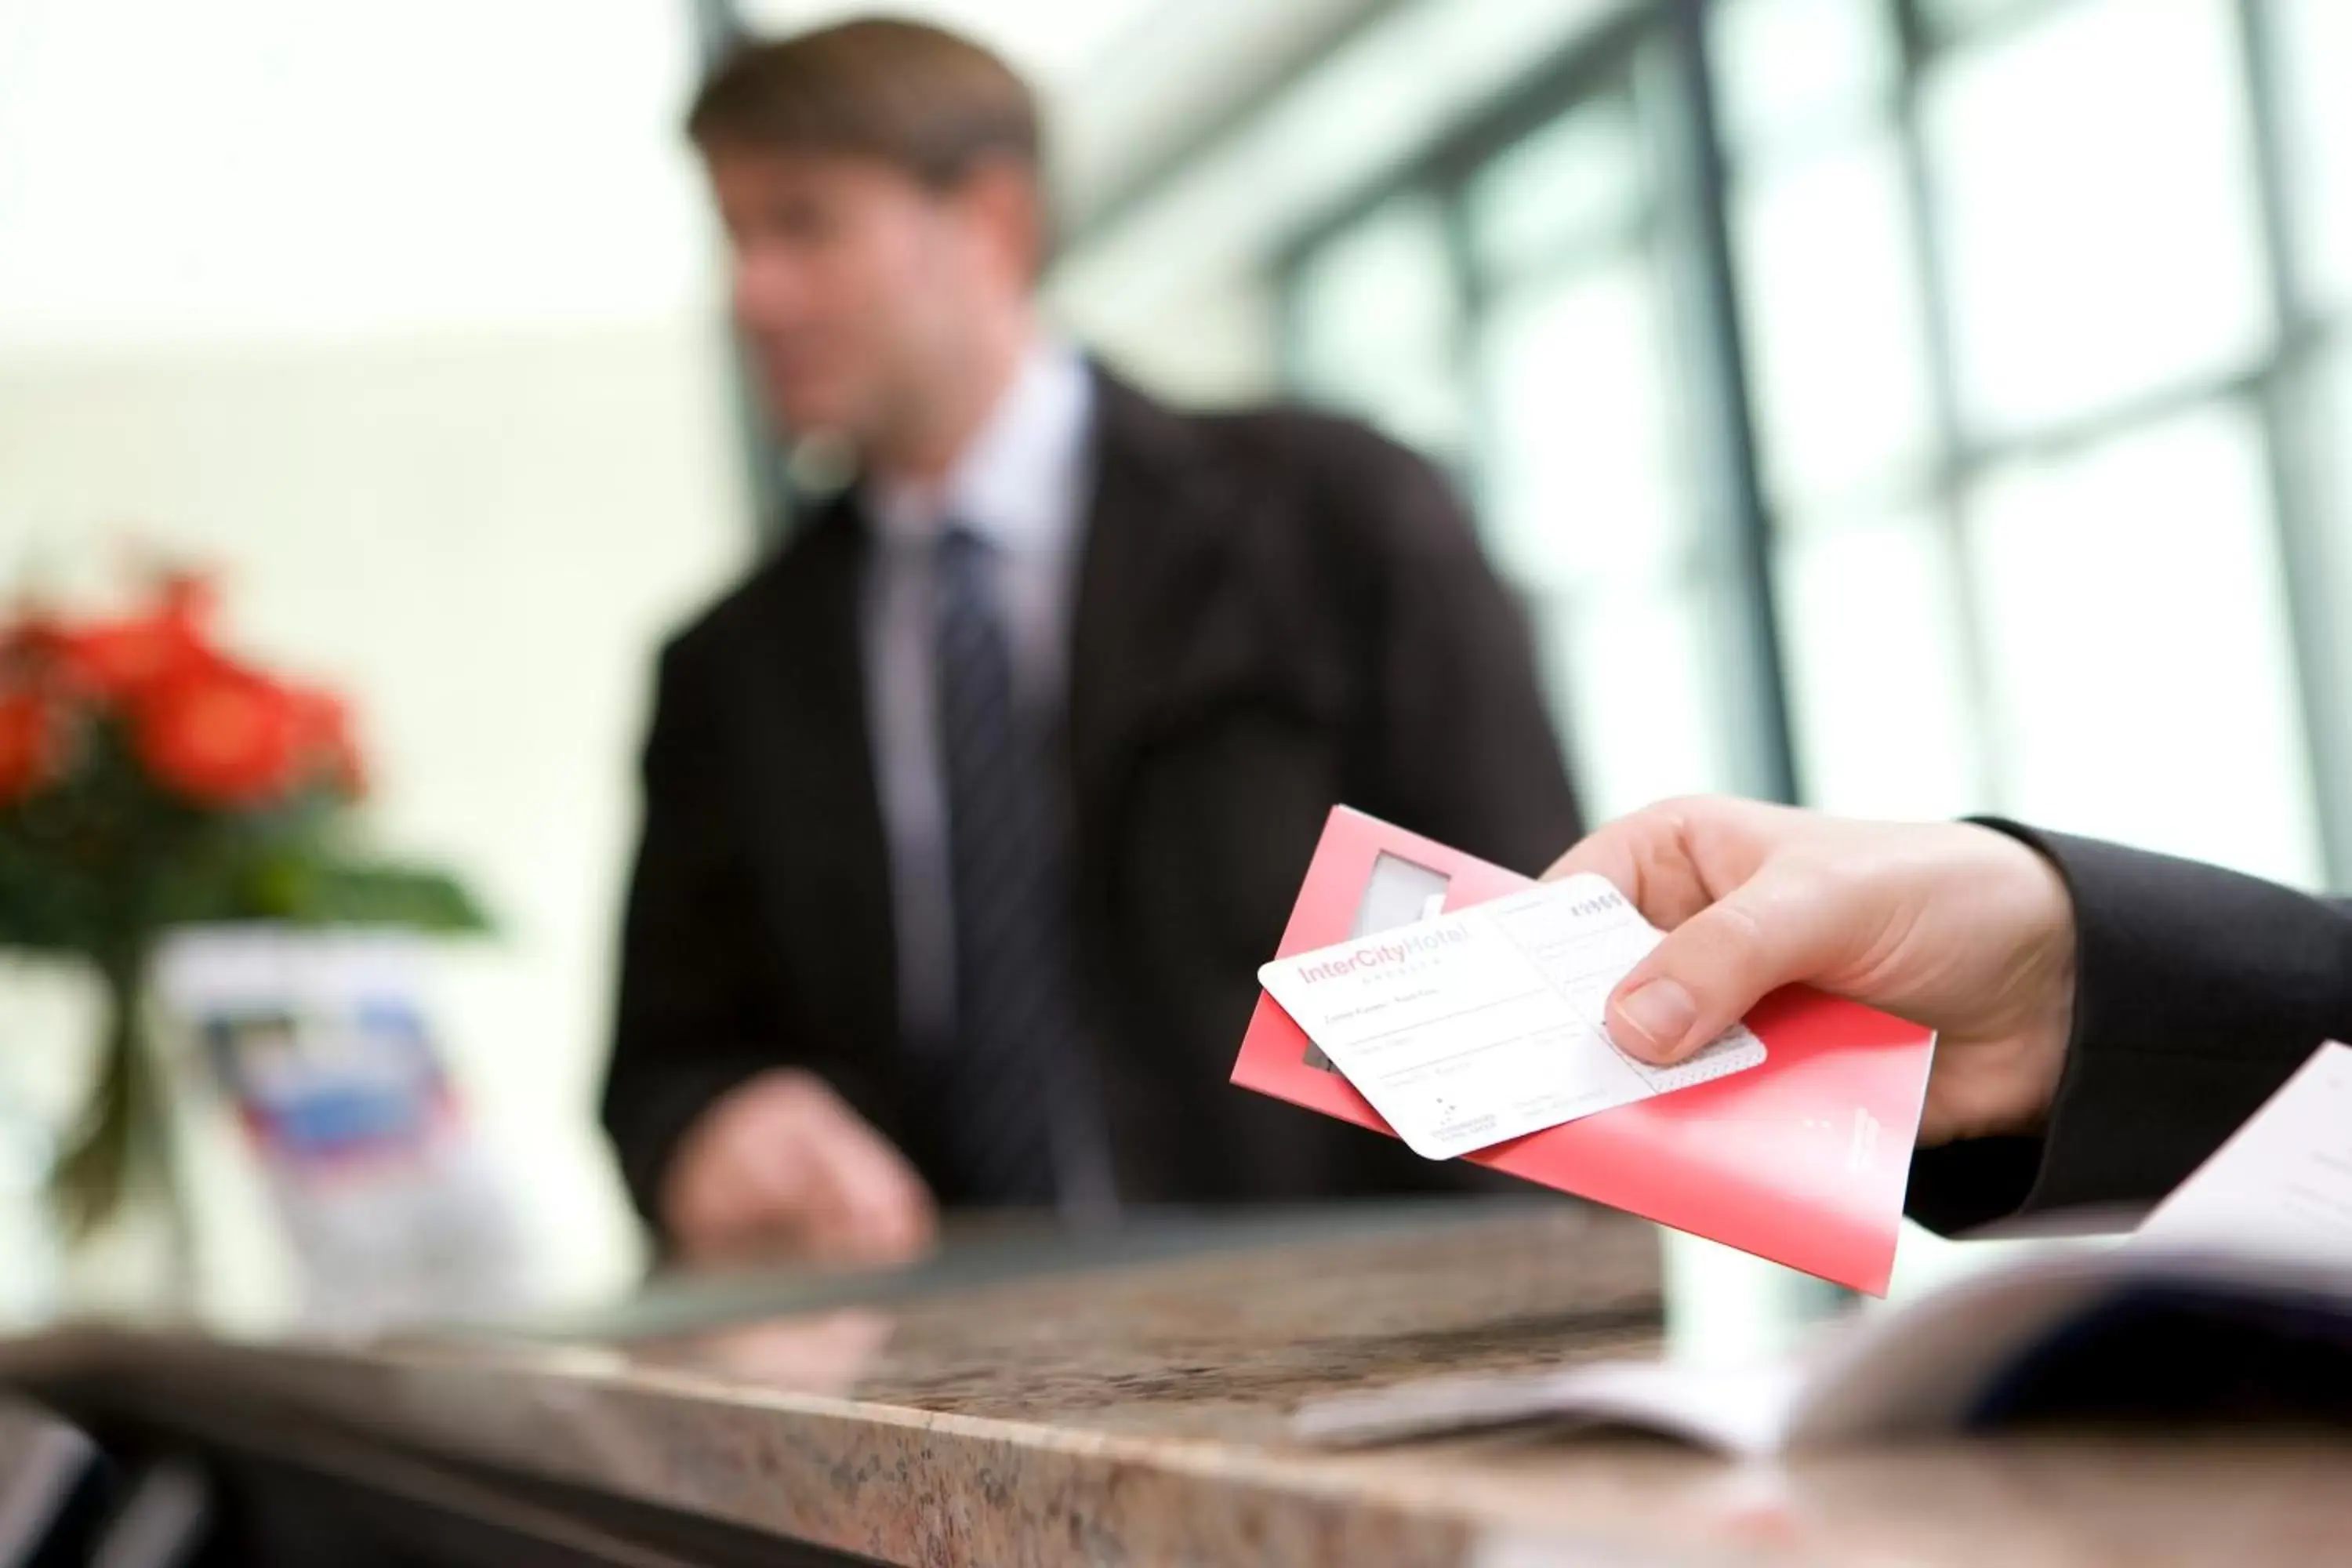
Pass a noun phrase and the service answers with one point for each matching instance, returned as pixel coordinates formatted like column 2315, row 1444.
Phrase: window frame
column 2278, row 389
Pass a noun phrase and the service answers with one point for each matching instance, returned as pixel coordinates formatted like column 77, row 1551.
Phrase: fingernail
column 1661, row 1013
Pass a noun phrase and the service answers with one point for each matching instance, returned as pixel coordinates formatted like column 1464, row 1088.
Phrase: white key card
column 1471, row 1028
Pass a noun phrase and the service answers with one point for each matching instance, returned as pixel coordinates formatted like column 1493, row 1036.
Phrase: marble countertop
column 1132, row 1408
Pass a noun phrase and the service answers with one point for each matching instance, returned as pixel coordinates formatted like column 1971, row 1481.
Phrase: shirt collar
column 1020, row 485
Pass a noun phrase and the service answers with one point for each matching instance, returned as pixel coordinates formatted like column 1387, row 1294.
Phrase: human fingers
column 873, row 1205
column 1674, row 858
column 1788, row 922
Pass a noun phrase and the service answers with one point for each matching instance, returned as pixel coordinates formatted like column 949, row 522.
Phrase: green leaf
column 336, row 893
column 105, row 855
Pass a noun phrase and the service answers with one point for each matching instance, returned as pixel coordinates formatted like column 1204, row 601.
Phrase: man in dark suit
column 969, row 817
column 2106, row 1017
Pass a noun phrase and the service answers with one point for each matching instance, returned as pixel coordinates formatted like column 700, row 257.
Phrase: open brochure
column 2233, row 1299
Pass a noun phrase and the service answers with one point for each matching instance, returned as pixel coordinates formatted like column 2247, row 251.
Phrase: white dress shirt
column 1022, row 486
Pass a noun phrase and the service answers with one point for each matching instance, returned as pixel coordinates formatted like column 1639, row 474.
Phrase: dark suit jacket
column 1275, row 611
column 2198, row 992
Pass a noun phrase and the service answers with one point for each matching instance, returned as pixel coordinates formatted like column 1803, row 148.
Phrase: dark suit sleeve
column 1465, row 753
column 692, row 1016
column 2198, row 992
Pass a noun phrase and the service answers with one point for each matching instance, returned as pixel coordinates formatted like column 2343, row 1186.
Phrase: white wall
column 253, row 170
column 479, row 537
column 403, row 319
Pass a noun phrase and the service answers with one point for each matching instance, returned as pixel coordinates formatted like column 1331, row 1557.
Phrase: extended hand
column 1957, row 927
column 781, row 1163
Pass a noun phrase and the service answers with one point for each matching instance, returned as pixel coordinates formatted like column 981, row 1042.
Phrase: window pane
column 1956, row 18
column 2096, row 190
column 2329, row 441
column 1629, row 668
column 2315, row 49
column 1830, row 294
column 1376, row 315
column 2140, row 660
column 1581, row 471
column 1578, row 183
column 1879, row 688
column 1788, row 69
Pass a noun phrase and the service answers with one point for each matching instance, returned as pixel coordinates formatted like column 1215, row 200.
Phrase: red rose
column 29, row 745
column 32, row 646
column 325, row 740
column 220, row 735
column 187, row 600
column 122, row 659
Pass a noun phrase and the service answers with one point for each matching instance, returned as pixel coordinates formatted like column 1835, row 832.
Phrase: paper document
column 2283, row 1180
column 1485, row 1025
column 1738, row 1410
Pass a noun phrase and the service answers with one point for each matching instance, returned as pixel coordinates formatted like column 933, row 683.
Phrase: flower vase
column 151, row 781
column 121, row 1215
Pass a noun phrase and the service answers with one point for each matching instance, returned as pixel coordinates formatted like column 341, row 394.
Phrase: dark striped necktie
column 1021, row 1125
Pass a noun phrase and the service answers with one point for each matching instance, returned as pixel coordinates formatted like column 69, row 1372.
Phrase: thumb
column 1778, row 928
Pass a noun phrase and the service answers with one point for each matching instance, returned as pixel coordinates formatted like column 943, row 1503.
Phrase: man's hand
column 781, row 1165
column 1953, row 926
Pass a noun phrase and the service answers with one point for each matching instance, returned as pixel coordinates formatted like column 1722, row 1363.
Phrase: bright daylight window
column 2025, row 410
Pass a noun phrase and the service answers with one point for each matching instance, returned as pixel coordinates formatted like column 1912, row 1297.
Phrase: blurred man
column 2104, row 1017
column 969, row 817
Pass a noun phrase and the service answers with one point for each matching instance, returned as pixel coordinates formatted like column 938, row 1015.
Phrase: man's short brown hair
column 921, row 98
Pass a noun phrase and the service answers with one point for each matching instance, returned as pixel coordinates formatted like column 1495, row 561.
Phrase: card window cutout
column 1399, row 892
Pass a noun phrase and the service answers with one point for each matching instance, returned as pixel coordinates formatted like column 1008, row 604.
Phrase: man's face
column 856, row 286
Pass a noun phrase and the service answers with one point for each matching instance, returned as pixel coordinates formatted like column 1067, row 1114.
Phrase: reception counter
column 1125, row 1401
